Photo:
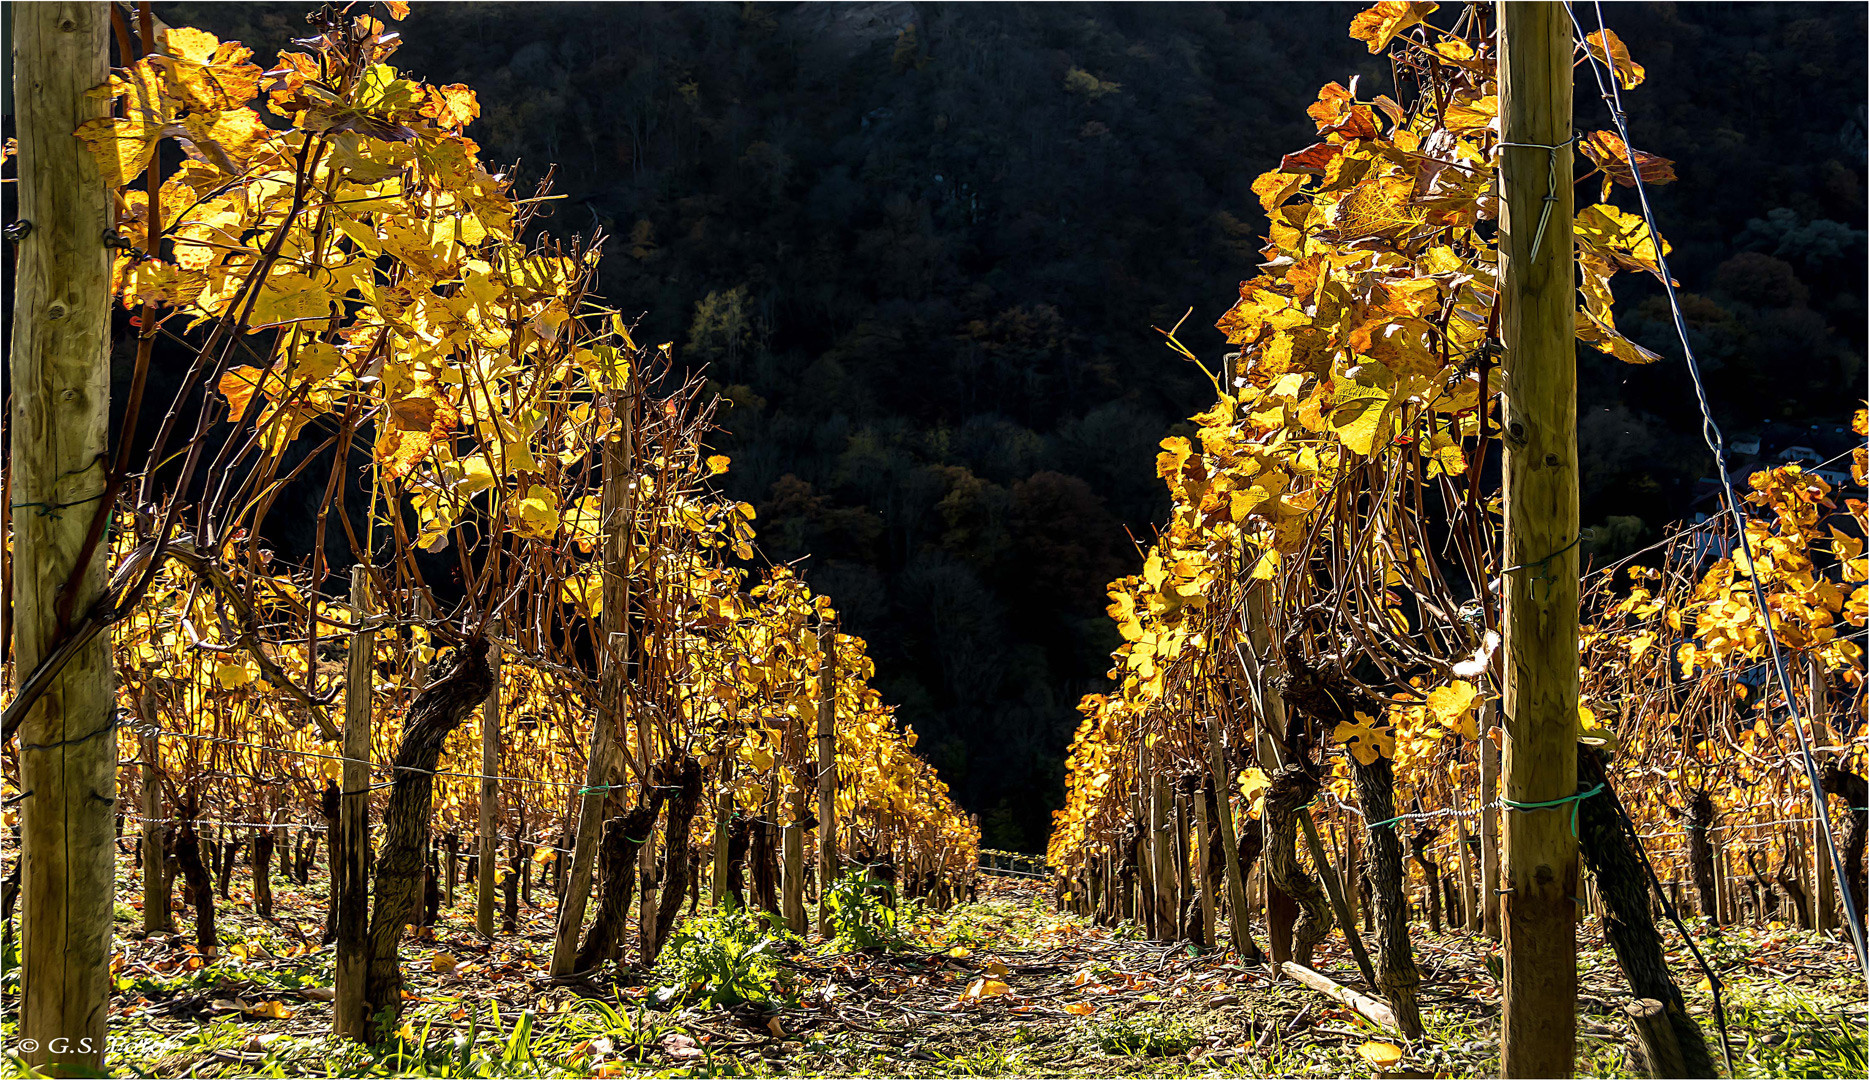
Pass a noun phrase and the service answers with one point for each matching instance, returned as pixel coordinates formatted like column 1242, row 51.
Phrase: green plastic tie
column 1573, row 800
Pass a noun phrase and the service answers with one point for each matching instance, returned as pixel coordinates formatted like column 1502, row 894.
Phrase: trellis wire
column 1611, row 94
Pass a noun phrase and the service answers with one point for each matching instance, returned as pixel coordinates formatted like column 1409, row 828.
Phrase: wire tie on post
column 1573, row 800
column 1551, row 196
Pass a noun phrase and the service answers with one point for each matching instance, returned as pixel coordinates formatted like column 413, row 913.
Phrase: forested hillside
column 925, row 247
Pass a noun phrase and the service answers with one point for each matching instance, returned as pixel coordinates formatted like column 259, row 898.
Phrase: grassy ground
column 1002, row 987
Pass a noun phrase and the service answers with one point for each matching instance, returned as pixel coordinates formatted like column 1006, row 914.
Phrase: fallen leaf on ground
column 680, row 1047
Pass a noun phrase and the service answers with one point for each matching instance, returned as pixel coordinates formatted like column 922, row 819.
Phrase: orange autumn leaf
column 1377, row 26
column 238, row 386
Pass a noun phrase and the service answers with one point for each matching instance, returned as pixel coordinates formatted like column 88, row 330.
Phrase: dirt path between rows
column 1004, row 986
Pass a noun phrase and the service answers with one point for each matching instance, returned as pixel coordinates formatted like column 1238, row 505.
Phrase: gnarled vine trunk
column 685, row 778
column 400, row 861
column 200, row 884
column 1330, row 699
column 623, row 837
column 262, row 852
column 1699, row 826
column 1396, row 976
column 1293, row 786
column 1853, row 789
column 1251, row 846
column 1609, row 854
column 1430, row 871
column 739, row 840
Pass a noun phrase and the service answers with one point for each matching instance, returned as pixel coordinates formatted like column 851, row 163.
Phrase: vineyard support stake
column 1824, row 896
column 60, row 383
column 351, row 851
column 618, row 531
column 827, row 770
column 489, row 842
column 1537, row 272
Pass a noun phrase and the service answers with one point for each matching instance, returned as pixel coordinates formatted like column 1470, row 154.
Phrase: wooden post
column 723, row 814
column 418, row 665
column 827, row 770
column 1184, row 864
column 1824, row 887
column 353, row 910
column 1237, row 922
column 1539, row 1023
column 1659, row 1050
column 1721, row 890
column 1469, row 914
column 1201, row 867
column 1489, row 823
column 792, row 846
column 1145, row 858
column 618, row 528
column 583, row 849
column 60, row 384
column 1162, row 855
column 156, row 914
column 489, row 841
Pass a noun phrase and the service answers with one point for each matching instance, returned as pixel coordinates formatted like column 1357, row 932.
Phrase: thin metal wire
column 340, row 757
column 1710, row 431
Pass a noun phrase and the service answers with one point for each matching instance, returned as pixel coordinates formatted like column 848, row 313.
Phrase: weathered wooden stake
column 1237, row 922
column 1489, row 822
column 792, row 879
column 1469, row 911
column 827, row 770
column 1202, row 864
column 352, row 851
column 723, row 815
column 489, row 841
column 1824, row 885
column 618, row 529
column 1538, row 275
column 60, row 386
column 1161, row 841
column 156, row 915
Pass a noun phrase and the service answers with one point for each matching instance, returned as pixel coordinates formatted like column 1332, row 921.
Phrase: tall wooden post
column 827, row 770
column 156, row 915
column 489, row 800
column 1538, row 1033
column 614, row 507
column 348, row 1015
column 60, row 383
column 1489, row 823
